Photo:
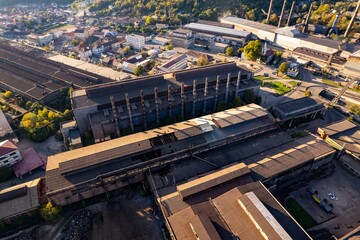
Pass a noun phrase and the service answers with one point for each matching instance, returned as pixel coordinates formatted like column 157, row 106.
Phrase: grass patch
column 260, row 78
column 279, row 87
column 330, row 82
column 301, row 216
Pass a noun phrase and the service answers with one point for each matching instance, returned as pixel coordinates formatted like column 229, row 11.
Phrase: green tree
column 237, row 101
column 74, row 42
column 252, row 50
column 307, row 93
column 202, row 61
column 239, row 51
column 139, row 71
column 8, row 95
column 50, row 213
column 249, row 96
column 283, row 67
column 229, row 51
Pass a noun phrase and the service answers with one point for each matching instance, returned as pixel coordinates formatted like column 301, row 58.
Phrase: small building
column 31, row 161
column 176, row 63
column 296, row 111
column 21, row 199
column 167, row 54
column 136, row 41
column 161, row 26
column 9, row 154
column 161, row 40
column 81, row 34
column 71, row 135
column 6, row 131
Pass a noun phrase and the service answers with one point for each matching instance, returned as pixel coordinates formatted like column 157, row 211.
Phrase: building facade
column 9, row 154
column 136, row 41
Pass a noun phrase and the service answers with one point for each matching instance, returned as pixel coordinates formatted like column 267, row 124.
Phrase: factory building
column 352, row 66
column 219, row 34
column 297, row 111
column 182, row 38
column 140, row 104
column 83, row 173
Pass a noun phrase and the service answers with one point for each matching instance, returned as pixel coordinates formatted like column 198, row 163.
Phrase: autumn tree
column 50, row 213
column 202, row 61
column 8, row 95
column 252, row 50
column 283, row 67
column 229, row 51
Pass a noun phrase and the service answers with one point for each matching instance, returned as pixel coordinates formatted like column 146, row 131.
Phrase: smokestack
column 290, row 13
column 347, row 32
column 238, row 83
column 129, row 111
column 169, row 100
column 227, row 87
column 115, row 116
column 216, row 91
column 182, row 101
column 269, row 12
column 157, row 105
column 305, row 27
column 205, row 94
column 143, row 109
column 194, row 98
column 282, row 14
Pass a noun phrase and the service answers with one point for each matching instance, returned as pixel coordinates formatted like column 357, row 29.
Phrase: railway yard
column 27, row 72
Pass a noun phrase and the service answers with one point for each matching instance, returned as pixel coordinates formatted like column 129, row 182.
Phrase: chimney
column 205, row 94
column 143, row 108
column 269, row 12
column 157, row 105
column 238, row 83
column 169, row 100
column 194, row 98
column 282, row 14
column 305, row 27
column 182, row 101
column 216, row 91
column 347, row 32
column 129, row 111
column 115, row 116
column 290, row 13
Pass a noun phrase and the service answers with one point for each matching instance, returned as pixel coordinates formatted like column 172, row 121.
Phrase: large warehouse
column 83, row 173
column 139, row 104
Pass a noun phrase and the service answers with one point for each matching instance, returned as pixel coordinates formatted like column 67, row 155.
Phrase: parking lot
column 341, row 191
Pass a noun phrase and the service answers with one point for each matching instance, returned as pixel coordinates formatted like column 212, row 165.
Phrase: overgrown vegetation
column 303, row 218
column 50, row 213
column 355, row 109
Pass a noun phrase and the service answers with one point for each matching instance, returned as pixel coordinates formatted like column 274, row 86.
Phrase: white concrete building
column 9, row 154
column 136, row 41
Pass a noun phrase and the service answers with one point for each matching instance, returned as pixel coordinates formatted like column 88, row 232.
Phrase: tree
column 249, row 96
column 229, row 51
column 74, row 42
column 353, row 108
column 252, row 50
column 149, row 20
column 50, row 213
column 283, row 67
column 307, row 93
column 202, row 61
column 237, row 101
column 8, row 95
column 169, row 47
column 139, row 70
column 240, row 50
column 126, row 50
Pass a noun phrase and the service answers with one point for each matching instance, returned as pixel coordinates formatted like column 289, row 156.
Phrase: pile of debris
column 78, row 227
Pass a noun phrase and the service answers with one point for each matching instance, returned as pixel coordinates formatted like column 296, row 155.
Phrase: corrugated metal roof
column 217, row 30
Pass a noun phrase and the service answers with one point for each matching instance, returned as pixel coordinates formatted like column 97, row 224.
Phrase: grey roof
column 250, row 23
column 197, row 27
column 298, row 104
column 321, row 41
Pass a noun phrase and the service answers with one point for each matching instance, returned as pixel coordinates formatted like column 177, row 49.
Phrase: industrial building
column 300, row 110
column 344, row 136
column 321, row 50
column 83, row 173
column 352, row 66
column 219, row 34
column 21, row 199
column 247, row 211
column 182, row 38
column 176, row 63
column 140, row 104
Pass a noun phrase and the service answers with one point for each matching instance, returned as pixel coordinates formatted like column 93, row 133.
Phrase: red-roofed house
column 9, row 154
column 31, row 160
